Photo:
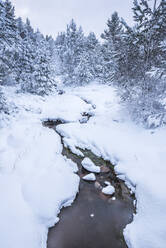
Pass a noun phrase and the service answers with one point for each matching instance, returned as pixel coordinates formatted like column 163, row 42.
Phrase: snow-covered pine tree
column 110, row 71
column 144, row 94
column 3, row 104
column 87, row 69
column 36, row 65
column 113, row 49
column 151, row 29
column 84, row 72
column 25, row 61
column 44, row 76
column 20, row 28
column 94, row 56
column 134, row 63
column 114, row 30
column 54, row 60
column 71, row 46
column 8, row 42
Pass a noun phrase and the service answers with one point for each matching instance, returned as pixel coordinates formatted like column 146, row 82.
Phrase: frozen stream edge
column 66, row 152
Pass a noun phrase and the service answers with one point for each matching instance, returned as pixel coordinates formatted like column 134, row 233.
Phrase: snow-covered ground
column 36, row 181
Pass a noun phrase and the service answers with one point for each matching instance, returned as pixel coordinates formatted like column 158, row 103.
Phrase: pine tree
column 8, row 42
column 151, row 29
column 88, row 67
column 10, row 31
column 114, row 30
column 3, row 103
column 113, row 49
column 145, row 59
column 25, row 60
column 91, row 41
column 37, row 72
column 44, row 72
column 71, row 46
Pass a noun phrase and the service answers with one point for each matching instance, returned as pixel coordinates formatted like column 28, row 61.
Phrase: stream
column 94, row 220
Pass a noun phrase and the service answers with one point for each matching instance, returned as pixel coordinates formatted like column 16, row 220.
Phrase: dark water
column 77, row 229
column 94, row 220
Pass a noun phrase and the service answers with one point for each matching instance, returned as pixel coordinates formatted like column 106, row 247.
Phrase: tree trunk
column 154, row 7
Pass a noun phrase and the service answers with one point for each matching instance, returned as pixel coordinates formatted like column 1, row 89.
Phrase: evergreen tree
column 70, row 45
column 44, row 80
column 114, row 30
column 25, row 60
column 88, row 67
column 3, row 103
column 10, row 31
column 8, row 42
column 151, row 27
column 94, row 56
column 37, row 72
column 113, row 48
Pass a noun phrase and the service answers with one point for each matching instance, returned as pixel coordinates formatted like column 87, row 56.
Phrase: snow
column 90, row 166
column 108, row 190
column 90, row 177
column 36, row 181
column 18, row 225
column 107, row 183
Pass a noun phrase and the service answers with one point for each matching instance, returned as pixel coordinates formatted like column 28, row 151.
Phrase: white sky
column 51, row 16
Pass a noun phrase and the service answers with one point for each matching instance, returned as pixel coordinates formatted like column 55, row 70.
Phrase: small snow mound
column 90, row 177
column 107, row 183
column 108, row 190
column 90, row 166
column 92, row 215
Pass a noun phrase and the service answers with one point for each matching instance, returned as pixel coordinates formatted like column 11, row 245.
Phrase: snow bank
column 36, row 181
column 18, row 225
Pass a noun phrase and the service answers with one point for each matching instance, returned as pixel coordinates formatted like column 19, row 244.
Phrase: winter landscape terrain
column 107, row 97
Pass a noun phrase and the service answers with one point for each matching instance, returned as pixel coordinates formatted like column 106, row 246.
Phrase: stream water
column 94, row 220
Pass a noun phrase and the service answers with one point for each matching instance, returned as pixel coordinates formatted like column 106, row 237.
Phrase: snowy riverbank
column 36, row 178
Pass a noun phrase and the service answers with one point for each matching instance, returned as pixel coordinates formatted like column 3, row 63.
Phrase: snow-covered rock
column 90, row 177
column 107, row 183
column 90, row 166
column 108, row 190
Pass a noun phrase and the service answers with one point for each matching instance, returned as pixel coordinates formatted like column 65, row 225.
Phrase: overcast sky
column 51, row 16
